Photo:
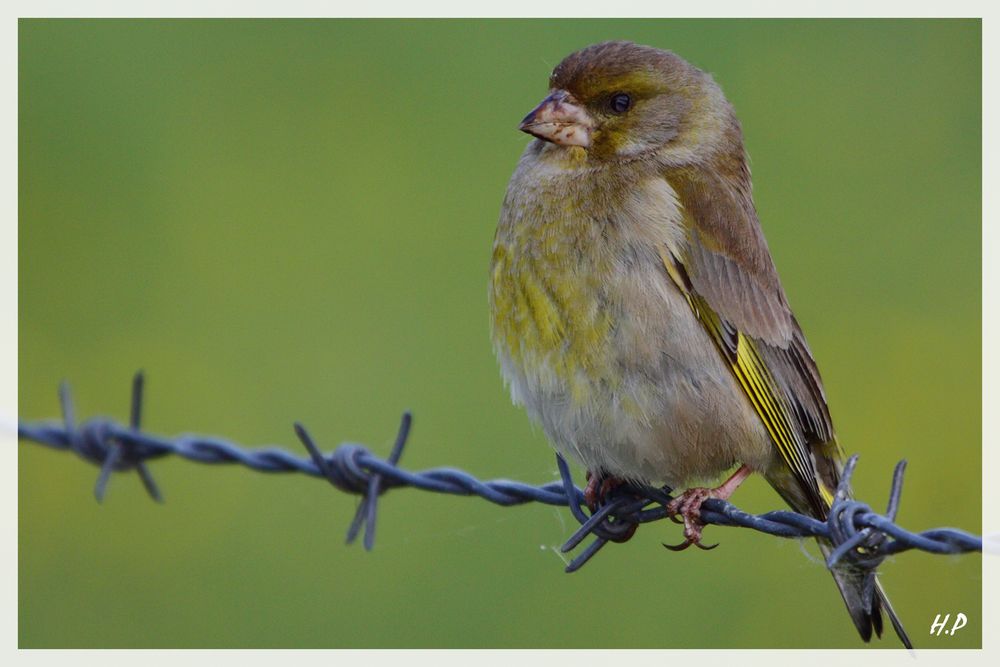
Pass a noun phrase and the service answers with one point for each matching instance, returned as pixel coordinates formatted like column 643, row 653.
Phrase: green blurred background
column 284, row 220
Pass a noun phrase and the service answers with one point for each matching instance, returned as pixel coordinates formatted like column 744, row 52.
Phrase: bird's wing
column 727, row 275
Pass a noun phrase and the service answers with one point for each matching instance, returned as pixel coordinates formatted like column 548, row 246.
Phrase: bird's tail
column 867, row 615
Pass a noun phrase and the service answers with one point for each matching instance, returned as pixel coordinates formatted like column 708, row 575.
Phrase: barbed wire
column 859, row 535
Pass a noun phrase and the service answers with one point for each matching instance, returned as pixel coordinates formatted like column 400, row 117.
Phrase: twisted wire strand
column 861, row 537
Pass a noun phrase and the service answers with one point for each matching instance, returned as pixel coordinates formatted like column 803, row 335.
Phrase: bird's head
column 619, row 100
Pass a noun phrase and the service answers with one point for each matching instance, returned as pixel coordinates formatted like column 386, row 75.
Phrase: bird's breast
column 549, row 280
column 575, row 268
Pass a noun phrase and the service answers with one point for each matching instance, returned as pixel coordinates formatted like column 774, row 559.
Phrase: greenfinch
column 635, row 309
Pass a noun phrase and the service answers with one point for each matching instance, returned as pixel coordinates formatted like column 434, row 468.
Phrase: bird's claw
column 686, row 543
column 678, row 547
column 687, row 506
column 598, row 489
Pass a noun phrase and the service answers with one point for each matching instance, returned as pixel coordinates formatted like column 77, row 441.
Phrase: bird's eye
column 620, row 102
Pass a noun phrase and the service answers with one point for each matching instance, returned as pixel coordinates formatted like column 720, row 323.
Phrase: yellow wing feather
column 755, row 378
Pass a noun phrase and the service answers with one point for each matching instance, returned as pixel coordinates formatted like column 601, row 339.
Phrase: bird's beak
column 559, row 119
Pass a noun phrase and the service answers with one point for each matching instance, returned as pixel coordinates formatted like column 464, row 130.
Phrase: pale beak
column 559, row 119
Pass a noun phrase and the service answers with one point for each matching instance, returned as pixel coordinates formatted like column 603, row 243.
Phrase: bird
column 636, row 312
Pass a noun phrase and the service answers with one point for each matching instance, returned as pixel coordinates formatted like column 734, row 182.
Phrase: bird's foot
column 687, row 506
column 598, row 488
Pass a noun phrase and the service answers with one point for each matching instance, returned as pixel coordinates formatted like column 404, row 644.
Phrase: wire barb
column 861, row 538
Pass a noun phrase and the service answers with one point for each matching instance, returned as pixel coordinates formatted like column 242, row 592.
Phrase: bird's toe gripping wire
column 686, row 509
